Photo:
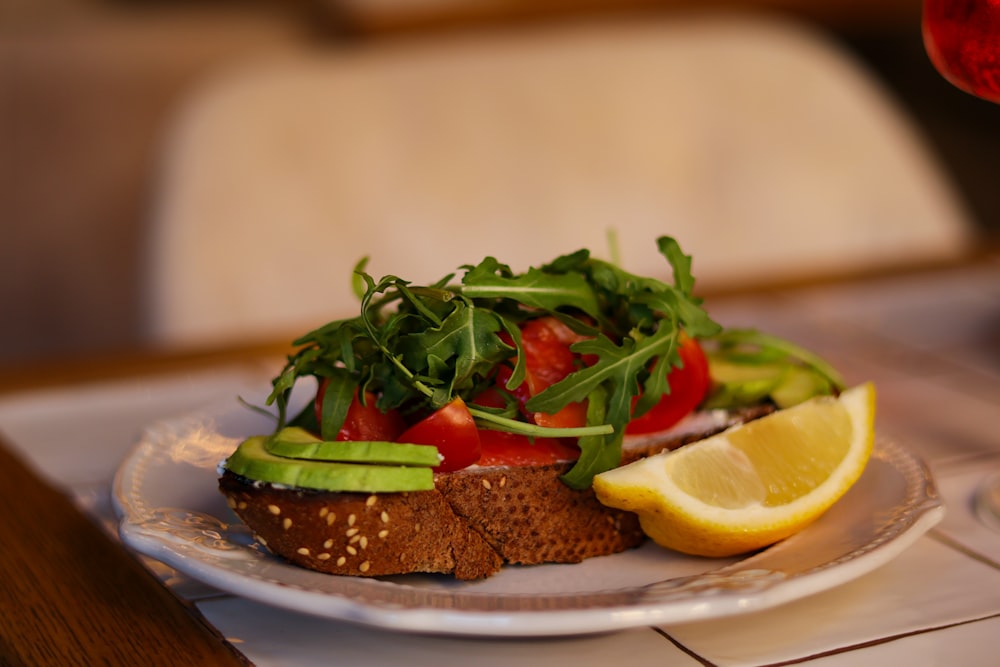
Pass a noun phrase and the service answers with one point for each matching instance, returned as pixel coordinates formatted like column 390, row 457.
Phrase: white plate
column 171, row 510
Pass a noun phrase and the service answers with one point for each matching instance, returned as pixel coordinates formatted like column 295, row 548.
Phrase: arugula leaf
column 614, row 379
column 657, row 384
column 337, row 399
column 545, row 290
column 681, row 263
column 597, row 452
column 419, row 346
column 465, row 345
column 357, row 282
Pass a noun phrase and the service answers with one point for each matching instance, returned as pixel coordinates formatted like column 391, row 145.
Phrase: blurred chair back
column 764, row 149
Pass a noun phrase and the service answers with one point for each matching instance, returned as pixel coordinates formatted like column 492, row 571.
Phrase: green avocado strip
column 297, row 443
column 251, row 459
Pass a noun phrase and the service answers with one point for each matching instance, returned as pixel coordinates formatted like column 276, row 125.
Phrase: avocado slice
column 729, row 371
column 297, row 443
column 799, row 385
column 251, row 459
column 736, row 383
column 747, row 382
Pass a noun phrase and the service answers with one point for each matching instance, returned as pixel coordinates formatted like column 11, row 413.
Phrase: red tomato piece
column 688, row 386
column 363, row 422
column 491, row 398
column 547, row 357
column 547, row 360
column 572, row 416
column 453, row 431
column 511, row 449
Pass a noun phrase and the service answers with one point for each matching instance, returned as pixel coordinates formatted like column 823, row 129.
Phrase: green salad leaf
column 418, row 347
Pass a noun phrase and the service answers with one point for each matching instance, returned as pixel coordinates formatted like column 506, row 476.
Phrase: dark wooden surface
column 71, row 595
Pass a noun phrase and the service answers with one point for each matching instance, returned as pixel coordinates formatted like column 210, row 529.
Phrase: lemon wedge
column 752, row 485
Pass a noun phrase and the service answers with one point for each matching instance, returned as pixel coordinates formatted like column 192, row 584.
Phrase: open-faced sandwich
column 459, row 426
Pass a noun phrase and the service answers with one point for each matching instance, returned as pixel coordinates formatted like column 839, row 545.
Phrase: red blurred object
column 962, row 38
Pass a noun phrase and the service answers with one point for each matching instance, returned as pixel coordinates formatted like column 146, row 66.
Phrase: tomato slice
column 363, row 422
column 547, row 360
column 453, row 431
column 571, row 416
column 500, row 448
column 688, row 386
column 547, row 357
column 491, row 398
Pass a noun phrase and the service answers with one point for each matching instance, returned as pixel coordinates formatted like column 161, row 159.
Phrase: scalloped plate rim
column 232, row 564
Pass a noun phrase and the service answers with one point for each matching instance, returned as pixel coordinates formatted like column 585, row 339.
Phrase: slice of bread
column 473, row 522
column 361, row 534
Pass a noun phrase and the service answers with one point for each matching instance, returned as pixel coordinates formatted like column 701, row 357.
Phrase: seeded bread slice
column 360, row 534
column 470, row 525
column 473, row 522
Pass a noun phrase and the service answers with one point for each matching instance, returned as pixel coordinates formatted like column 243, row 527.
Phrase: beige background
column 86, row 89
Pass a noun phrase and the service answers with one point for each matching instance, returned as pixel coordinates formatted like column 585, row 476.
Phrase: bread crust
column 469, row 525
